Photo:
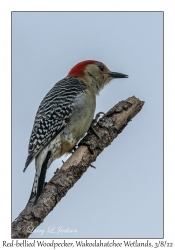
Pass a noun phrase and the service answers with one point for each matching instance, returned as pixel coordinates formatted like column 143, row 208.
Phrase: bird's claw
column 95, row 120
column 95, row 132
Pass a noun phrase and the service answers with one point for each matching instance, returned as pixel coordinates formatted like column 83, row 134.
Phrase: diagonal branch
column 108, row 127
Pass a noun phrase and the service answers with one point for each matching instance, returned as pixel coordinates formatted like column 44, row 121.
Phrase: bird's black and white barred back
column 53, row 114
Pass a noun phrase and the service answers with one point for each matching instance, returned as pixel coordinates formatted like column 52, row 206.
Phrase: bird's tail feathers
column 39, row 180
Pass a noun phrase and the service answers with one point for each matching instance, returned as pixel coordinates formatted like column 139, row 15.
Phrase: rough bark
column 108, row 127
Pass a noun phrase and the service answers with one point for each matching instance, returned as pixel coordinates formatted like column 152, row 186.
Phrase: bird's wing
column 53, row 114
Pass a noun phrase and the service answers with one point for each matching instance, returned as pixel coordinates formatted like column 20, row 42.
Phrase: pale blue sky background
column 123, row 197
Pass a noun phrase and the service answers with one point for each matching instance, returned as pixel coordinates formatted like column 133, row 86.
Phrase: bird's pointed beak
column 117, row 75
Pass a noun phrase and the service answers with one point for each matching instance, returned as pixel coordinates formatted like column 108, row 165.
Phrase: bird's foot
column 94, row 122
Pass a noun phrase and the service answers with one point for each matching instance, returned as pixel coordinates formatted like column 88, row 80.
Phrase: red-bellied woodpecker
column 64, row 116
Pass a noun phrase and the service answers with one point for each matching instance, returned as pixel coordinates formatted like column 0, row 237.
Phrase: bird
column 64, row 116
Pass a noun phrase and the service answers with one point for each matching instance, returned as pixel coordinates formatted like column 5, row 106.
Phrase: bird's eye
column 101, row 67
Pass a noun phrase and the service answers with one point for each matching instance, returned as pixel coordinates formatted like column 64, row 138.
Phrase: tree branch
column 108, row 127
